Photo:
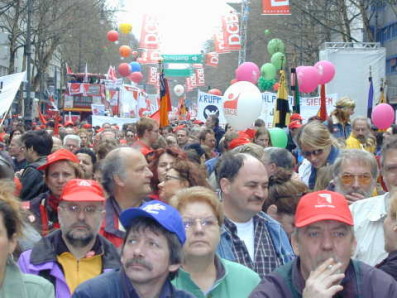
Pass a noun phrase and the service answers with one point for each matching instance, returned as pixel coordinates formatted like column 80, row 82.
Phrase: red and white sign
column 153, row 77
column 200, row 79
column 275, row 7
column 231, row 32
column 220, row 47
column 212, row 59
column 149, row 57
column 150, row 37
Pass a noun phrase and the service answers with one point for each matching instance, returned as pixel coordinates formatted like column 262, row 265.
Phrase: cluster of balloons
column 309, row 77
column 276, row 49
column 131, row 70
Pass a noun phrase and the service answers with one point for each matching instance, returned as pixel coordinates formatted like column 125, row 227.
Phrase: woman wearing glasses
column 318, row 148
column 203, row 272
column 182, row 174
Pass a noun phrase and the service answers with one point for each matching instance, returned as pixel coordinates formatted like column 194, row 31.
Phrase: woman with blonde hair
column 203, row 273
column 318, row 148
column 339, row 121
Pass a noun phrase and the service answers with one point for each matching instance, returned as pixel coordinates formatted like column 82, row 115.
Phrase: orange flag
column 165, row 101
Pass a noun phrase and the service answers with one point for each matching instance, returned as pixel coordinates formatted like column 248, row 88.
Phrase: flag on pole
column 165, row 101
column 281, row 111
column 382, row 97
column 68, row 69
column 295, row 91
column 111, row 75
column 85, row 80
column 323, row 104
column 370, row 101
column 42, row 118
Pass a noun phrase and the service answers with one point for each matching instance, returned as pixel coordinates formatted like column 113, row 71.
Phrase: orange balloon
column 125, row 51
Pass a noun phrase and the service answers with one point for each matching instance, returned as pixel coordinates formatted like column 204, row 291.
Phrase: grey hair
column 362, row 118
column 356, row 155
column 72, row 137
column 281, row 157
column 113, row 164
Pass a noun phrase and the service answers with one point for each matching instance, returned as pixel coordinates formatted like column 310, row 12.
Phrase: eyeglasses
column 317, row 152
column 350, row 178
column 169, row 177
column 74, row 209
column 207, row 222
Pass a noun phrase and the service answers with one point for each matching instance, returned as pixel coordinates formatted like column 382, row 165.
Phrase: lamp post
column 28, row 105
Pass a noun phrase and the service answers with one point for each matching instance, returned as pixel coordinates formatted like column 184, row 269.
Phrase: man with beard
column 354, row 174
column 324, row 242
column 75, row 252
column 151, row 254
column 250, row 236
column 361, row 136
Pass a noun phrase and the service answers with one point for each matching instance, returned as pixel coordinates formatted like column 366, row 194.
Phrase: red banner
column 200, row 79
column 231, row 32
column 275, row 7
column 212, row 59
column 150, row 38
column 220, row 44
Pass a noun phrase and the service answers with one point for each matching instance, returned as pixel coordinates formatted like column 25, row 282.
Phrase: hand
column 353, row 197
column 324, row 281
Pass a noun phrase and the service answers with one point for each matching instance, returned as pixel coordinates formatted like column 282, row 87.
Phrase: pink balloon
column 124, row 69
column 248, row 71
column 383, row 116
column 326, row 70
column 136, row 77
column 308, row 78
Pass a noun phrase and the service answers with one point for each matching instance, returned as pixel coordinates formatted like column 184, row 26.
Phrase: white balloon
column 179, row 90
column 242, row 104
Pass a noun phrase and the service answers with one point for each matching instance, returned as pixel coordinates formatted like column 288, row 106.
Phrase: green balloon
column 275, row 45
column 278, row 60
column 265, row 85
column 268, row 71
column 267, row 32
column 278, row 137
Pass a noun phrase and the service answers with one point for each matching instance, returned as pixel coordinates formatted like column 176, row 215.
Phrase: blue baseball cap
column 167, row 216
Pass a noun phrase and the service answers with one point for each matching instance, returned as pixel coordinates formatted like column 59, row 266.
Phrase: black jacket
column 32, row 180
column 389, row 265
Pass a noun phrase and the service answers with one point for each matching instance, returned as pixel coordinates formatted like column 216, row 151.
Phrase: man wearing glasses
column 355, row 172
column 369, row 214
column 75, row 252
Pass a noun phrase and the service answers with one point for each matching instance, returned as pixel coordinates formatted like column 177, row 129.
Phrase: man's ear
column 174, row 267
column 224, row 184
column 117, row 180
column 272, row 211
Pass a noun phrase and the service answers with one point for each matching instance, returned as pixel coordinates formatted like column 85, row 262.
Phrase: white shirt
column 368, row 216
column 245, row 231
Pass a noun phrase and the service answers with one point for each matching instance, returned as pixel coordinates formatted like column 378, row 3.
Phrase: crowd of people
column 195, row 209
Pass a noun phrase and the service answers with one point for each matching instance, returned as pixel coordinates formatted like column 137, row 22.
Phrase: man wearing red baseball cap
column 75, row 252
column 324, row 242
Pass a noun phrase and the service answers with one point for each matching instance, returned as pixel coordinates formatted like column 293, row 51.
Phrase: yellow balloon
column 125, row 28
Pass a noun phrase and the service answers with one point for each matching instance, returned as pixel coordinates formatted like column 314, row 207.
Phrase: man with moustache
column 355, row 173
column 324, row 242
column 126, row 179
column 151, row 254
column 75, row 252
column 249, row 237
column 361, row 137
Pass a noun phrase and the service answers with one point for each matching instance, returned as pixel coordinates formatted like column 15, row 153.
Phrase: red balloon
column 134, row 53
column 215, row 92
column 113, row 35
column 124, row 69
column 125, row 51
column 136, row 77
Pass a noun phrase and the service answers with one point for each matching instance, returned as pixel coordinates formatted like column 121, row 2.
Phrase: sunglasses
column 317, row 152
column 350, row 178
